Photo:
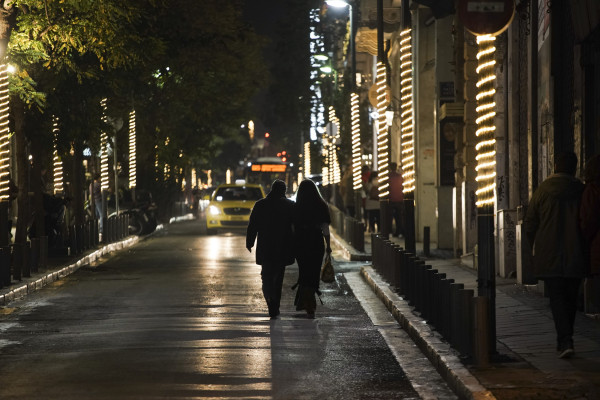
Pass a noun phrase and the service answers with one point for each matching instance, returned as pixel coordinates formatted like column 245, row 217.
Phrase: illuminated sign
column 268, row 167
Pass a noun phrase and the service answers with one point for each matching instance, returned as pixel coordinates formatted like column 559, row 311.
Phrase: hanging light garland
column 4, row 134
column 486, row 144
column 356, row 153
column 307, row 166
column 57, row 162
column 104, row 149
column 326, row 153
column 382, row 132
column 132, row 151
column 406, row 100
column 334, row 167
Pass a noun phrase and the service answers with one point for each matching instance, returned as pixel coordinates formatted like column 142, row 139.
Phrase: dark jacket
column 589, row 215
column 272, row 221
column 552, row 226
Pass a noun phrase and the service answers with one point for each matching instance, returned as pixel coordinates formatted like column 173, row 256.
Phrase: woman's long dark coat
column 271, row 220
column 310, row 246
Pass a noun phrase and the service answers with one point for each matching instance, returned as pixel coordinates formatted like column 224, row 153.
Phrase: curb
column 30, row 287
column 439, row 353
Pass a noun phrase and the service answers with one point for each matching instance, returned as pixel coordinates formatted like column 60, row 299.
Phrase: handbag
column 327, row 272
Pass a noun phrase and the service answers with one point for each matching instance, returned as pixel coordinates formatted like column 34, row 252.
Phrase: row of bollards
column 20, row 260
column 455, row 312
column 351, row 229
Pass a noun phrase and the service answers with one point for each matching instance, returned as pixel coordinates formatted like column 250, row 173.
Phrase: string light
column 4, row 134
column 406, row 104
column 382, row 132
column 485, row 147
column 356, row 154
column 57, row 162
column 307, row 166
column 132, row 151
column 334, row 167
column 325, row 173
column 104, row 150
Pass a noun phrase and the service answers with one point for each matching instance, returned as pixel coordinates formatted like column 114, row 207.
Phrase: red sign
column 486, row 17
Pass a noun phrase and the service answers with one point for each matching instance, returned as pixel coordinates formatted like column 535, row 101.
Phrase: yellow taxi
column 230, row 206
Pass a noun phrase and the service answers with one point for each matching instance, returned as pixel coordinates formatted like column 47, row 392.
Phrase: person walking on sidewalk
column 272, row 221
column 552, row 227
column 372, row 202
column 311, row 222
column 589, row 213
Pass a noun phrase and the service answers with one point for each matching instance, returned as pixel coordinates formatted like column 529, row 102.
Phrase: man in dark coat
column 271, row 220
column 552, row 226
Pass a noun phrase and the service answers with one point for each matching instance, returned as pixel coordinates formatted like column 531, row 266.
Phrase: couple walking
column 289, row 231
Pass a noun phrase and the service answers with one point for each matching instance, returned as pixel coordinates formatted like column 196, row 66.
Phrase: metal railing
column 20, row 260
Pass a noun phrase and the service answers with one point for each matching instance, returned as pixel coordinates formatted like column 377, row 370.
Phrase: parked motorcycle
column 142, row 215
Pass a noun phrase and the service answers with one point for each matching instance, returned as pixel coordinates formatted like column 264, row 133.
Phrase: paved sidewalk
column 526, row 366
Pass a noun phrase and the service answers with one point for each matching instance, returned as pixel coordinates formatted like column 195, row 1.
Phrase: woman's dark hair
column 591, row 172
column 308, row 197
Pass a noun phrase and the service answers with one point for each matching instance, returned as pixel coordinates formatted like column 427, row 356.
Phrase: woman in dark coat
column 589, row 213
column 311, row 222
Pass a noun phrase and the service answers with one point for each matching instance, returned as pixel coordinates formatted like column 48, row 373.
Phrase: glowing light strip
column 57, row 169
column 406, row 114
column 307, row 166
column 383, row 167
column 104, row 150
column 132, row 151
column 325, row 173
column 334, row 167
column 4, row 134
column 356, row 153
column 486, row 145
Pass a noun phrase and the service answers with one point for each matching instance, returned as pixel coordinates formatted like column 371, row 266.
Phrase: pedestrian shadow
column 298, row 348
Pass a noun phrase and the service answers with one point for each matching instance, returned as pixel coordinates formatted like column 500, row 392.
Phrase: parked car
column 230, row 206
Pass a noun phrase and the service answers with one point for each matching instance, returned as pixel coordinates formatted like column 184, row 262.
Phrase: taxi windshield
column 238, row 193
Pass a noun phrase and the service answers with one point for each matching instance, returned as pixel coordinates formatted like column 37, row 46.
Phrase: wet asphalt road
column 181, row 315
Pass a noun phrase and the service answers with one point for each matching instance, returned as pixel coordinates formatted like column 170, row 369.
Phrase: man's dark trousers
column 563, row 294
column 272, row 282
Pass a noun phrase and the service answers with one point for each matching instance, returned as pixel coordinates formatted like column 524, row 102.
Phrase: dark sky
column 263, row 14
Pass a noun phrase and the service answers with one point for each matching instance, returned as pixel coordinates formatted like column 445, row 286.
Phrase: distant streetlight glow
column 337, row 3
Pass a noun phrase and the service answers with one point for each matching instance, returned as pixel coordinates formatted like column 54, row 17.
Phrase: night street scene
column 300, row 199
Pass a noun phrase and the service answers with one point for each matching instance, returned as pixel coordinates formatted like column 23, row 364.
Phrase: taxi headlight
column 214, row 210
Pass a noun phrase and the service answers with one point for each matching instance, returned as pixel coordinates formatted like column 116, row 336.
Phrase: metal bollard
column 454, row 334
column 396, row 266
column 34, row 260
column 446, row 307
column 17, row 260
column 422, row 286
column 481, row 350
column 429, row 304
column 5, row 266
column 437, row 299
column 465, row 342
column 79, row 232
column 426, row 241
column 43, row 253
